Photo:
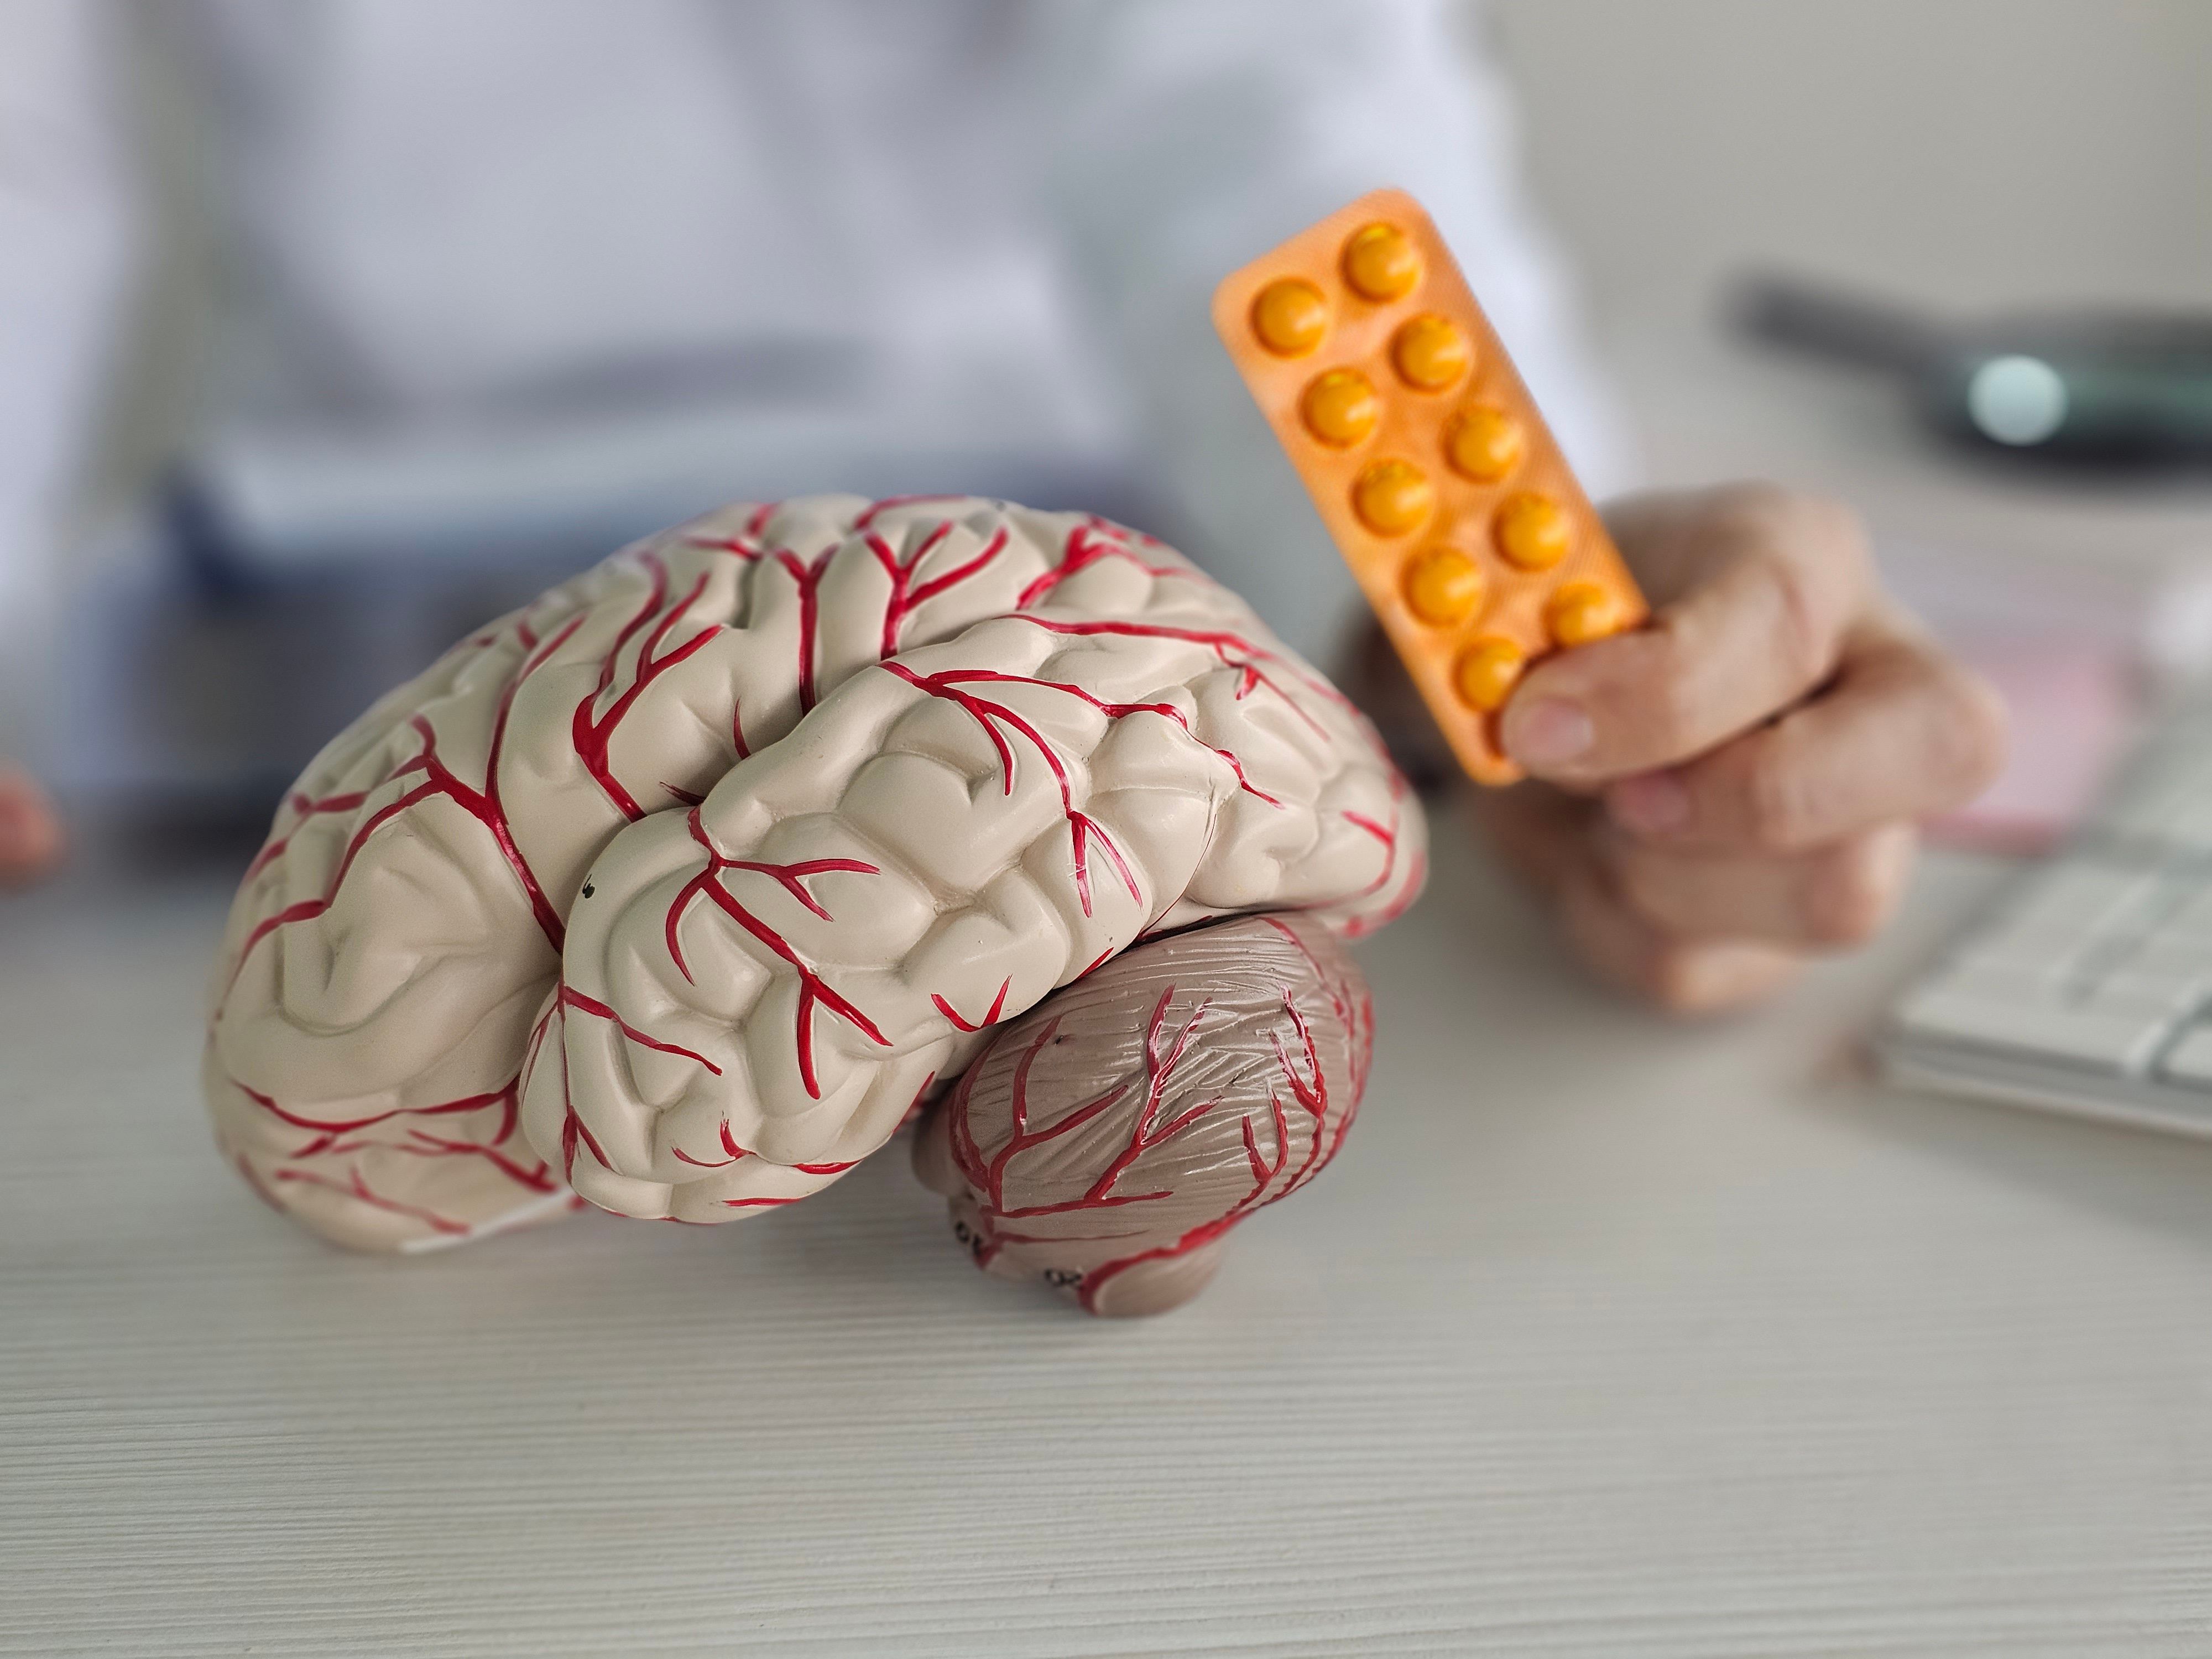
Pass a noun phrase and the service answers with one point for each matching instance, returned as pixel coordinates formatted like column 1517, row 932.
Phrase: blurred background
column 231, row 574
column 329, row 328
column 1963, row 153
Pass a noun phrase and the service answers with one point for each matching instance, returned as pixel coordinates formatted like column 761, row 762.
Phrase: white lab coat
column 986, row 226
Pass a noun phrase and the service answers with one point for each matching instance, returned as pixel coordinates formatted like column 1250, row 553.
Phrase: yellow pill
column 1429, row 352
column 1483, row 443
column 1339, row 408
column 1392, row 497
column 1290, row 317
column 1580, row 612
column 1486, row 673
column 1443, row 587
column 1381, row 263
column 1532, row 530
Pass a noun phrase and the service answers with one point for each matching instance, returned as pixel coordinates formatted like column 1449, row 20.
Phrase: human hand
column 30, row 834
column 1732, row 789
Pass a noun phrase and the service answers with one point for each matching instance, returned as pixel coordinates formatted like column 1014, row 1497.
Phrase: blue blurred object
column 287, row 576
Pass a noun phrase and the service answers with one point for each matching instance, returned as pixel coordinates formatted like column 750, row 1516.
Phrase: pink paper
column 2073, row 706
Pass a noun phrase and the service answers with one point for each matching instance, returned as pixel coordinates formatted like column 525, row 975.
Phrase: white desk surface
column 1603, row 1335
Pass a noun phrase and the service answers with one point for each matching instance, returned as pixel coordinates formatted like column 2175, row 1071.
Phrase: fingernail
column 1549, row 734
column 1651, row 803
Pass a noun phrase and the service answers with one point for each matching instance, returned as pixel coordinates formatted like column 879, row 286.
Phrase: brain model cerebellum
column 1108, row 1139
column 681, row 890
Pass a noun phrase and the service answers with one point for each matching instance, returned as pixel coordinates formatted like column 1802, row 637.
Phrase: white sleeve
column 1187, row 137
column 67, row 219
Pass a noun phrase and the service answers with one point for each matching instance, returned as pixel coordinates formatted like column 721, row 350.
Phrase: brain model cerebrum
column 680, row 890
column 1427, row 459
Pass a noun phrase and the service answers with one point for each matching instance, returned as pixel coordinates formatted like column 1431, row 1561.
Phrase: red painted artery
column 1300, row 1107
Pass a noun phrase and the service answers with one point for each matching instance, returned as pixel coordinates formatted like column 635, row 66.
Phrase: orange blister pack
column 1432, row 469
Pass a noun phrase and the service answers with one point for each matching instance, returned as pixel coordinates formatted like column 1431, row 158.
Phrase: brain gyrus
column 679, row 890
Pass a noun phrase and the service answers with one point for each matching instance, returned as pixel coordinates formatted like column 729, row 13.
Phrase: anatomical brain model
column 682, row 890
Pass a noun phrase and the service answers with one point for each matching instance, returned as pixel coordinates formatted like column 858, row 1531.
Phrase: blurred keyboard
column 2087, row 987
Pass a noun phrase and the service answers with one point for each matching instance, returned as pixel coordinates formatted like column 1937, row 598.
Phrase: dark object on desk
column 2085, row 384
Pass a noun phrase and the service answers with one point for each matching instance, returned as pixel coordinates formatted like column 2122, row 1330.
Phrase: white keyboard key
column 2054, row 918
column 2151, row 995
column 2174, row 955
column 2190, row 919
column 2148, row 811
column 2091, row 987
column 1986, row 981
column 2121, row 1042
column 2044, row 953
column 2080, row 895
column 2174, row 806
column 2191, row 1059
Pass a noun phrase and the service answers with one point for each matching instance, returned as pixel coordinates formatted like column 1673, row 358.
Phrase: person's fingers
column 1773, row 582
column 1904, row 733
column 1682, row 975
column 30, row 834
column 1835, row 896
